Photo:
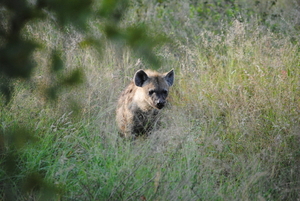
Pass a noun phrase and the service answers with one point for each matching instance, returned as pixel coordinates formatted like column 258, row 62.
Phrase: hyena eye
column 151, row 92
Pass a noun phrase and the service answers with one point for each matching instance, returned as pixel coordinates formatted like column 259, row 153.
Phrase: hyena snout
column 160, row 103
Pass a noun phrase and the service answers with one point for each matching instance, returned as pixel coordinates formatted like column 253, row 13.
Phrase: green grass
column 231, row 132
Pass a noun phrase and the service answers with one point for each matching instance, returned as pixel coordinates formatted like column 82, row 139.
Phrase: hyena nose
column 160, row 103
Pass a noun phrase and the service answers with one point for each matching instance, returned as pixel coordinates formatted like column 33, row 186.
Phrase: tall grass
column 231, row 131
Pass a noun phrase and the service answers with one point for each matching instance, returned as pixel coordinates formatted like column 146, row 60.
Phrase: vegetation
column 231, row 131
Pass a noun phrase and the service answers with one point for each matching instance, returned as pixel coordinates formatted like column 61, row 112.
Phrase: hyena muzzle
column 140, row 103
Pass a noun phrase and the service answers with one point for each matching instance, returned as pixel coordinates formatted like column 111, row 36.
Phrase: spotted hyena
column 140, row 103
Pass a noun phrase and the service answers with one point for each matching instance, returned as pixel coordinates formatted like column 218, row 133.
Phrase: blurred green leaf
column 143, row 44
column 113, row 9
column 20, row 137
column 35, row 182
column 16, row 58
column 6, row 88
column 75, row 12
column 113, row 32
column 76, row 77
column 57, row 62
column 52, row 92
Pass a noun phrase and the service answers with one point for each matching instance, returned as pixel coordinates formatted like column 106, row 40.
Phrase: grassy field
column 231, row 132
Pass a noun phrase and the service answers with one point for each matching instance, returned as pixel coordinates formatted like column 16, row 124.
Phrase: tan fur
column 140, row 103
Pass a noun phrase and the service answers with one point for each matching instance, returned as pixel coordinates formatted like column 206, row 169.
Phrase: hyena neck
column 144, row 121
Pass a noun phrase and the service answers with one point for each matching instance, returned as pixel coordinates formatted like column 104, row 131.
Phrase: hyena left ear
column 140, row 78
column 169, row 77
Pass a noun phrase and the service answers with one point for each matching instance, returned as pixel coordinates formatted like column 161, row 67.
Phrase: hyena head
column 155, row 86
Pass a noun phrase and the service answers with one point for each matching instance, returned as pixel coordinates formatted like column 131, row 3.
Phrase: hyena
column 140, row 103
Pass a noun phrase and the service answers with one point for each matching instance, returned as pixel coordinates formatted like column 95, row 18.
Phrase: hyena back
column 140, row 103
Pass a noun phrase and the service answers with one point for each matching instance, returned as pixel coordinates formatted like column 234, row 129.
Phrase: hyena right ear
column 140, row 78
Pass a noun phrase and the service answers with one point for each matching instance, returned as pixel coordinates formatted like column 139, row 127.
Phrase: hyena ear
column 169, row 77
column 140, row 78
